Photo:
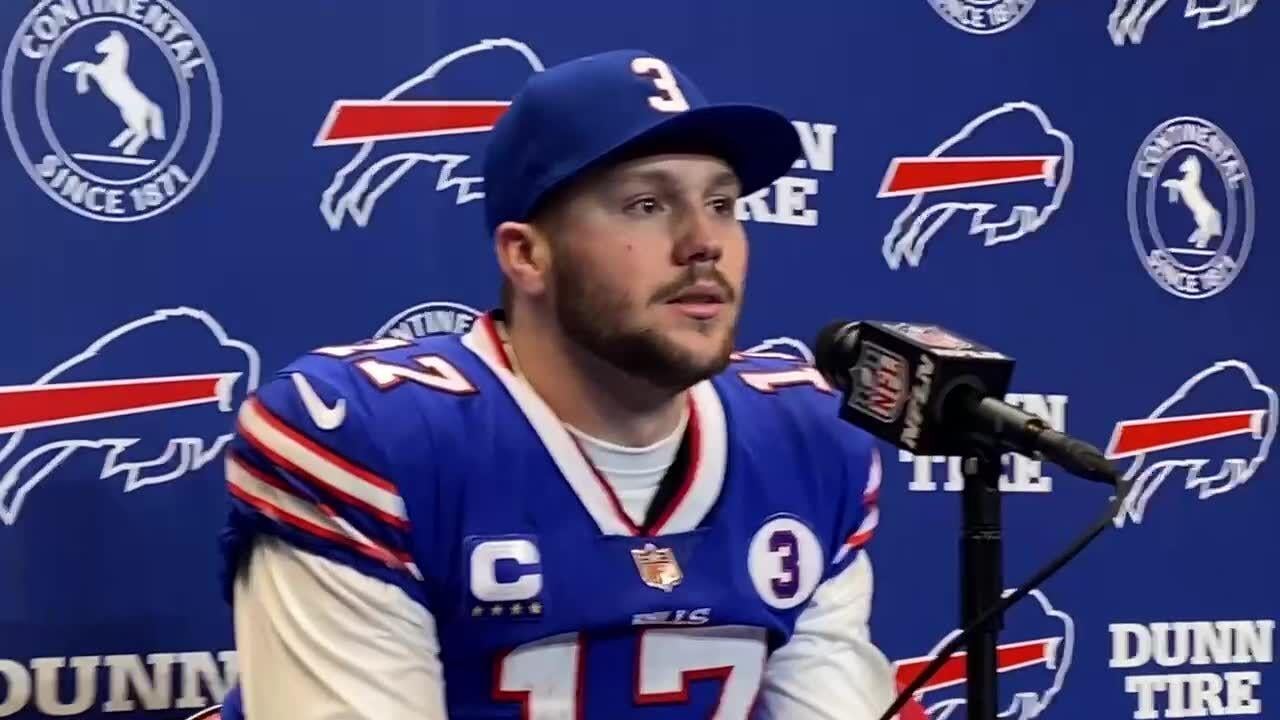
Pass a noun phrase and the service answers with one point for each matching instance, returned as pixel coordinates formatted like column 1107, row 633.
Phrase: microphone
column 925, row 389
column 928, row 390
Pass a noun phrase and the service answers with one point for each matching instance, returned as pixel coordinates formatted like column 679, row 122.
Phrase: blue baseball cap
column 600, row 109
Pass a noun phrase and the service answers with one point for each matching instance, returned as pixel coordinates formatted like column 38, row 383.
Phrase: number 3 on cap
column 671, row 99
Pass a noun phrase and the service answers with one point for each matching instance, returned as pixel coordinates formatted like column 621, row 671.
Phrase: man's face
column 648, row 267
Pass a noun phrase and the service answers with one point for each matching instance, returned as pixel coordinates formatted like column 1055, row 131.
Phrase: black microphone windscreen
column 827, row 355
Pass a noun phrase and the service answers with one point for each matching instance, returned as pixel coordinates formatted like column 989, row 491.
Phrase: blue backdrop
column 195, row 192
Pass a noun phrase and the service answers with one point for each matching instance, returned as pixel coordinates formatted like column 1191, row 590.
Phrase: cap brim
column 759, row 143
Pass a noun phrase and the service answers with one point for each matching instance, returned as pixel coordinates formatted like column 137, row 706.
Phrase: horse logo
column 1194, row 242
column 143, row 119
column 1208, row 219
column 129, row 126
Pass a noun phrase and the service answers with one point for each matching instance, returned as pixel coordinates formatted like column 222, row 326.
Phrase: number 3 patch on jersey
column 785, row 562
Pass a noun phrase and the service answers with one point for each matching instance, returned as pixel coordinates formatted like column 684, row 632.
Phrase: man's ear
column 524, row 255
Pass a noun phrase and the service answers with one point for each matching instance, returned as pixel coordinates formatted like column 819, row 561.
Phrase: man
column 587, row 507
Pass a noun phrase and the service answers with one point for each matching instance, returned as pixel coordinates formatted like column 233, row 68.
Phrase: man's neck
column 589, row 394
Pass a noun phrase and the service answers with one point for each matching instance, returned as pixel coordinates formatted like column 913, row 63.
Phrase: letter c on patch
column 505, row 570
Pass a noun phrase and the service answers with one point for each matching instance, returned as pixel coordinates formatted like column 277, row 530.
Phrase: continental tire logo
column 113, row 108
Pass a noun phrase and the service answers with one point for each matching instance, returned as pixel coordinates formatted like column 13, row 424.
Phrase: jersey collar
column 708, row 445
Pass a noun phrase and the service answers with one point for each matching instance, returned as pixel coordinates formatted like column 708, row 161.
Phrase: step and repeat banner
column 192, row 193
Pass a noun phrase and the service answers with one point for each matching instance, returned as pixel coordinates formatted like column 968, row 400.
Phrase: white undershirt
column 633, row 473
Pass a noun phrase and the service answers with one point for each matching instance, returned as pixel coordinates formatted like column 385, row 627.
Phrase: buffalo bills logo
column 1210, row 436
column 1129, row 19
column 430, row 118
column 779, row 348
column 152, row 399
column 1033, row 664
column 1006, row 172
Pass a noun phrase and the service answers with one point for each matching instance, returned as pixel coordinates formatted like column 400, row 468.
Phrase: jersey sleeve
column 858, row 498
column 830, row 669
column 304, row 465
column 317, row 639
column 845, row 459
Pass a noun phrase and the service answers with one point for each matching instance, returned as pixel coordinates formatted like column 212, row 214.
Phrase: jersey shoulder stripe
column 307, row 464
column 276, row 498
column 292, row 449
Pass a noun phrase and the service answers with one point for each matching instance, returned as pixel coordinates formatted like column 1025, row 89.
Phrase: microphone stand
column 981, row 575
column 982, row 598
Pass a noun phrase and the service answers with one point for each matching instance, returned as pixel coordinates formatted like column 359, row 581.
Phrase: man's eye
column 645, row 206
column 723, row 205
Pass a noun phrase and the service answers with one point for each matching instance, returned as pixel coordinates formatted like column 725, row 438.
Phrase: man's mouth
column 701, row 302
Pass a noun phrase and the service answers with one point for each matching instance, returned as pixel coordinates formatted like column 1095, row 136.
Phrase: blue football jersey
column 432, row 465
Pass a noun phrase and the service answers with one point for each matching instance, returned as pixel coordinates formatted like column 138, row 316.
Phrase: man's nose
column 698, row 239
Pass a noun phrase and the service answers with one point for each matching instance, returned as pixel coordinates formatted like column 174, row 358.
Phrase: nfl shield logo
column 879, row 383
column 658, row 567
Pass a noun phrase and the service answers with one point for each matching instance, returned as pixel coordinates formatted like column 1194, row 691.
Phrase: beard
column 594, row 316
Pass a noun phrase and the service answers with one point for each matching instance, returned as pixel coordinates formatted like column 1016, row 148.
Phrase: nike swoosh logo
column 325, row 417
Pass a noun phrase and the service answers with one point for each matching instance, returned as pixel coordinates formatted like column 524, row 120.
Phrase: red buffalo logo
column 152, row 398
column 1032, row 670
column 1212, row 434
column 399, row 130
column 972, row 174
